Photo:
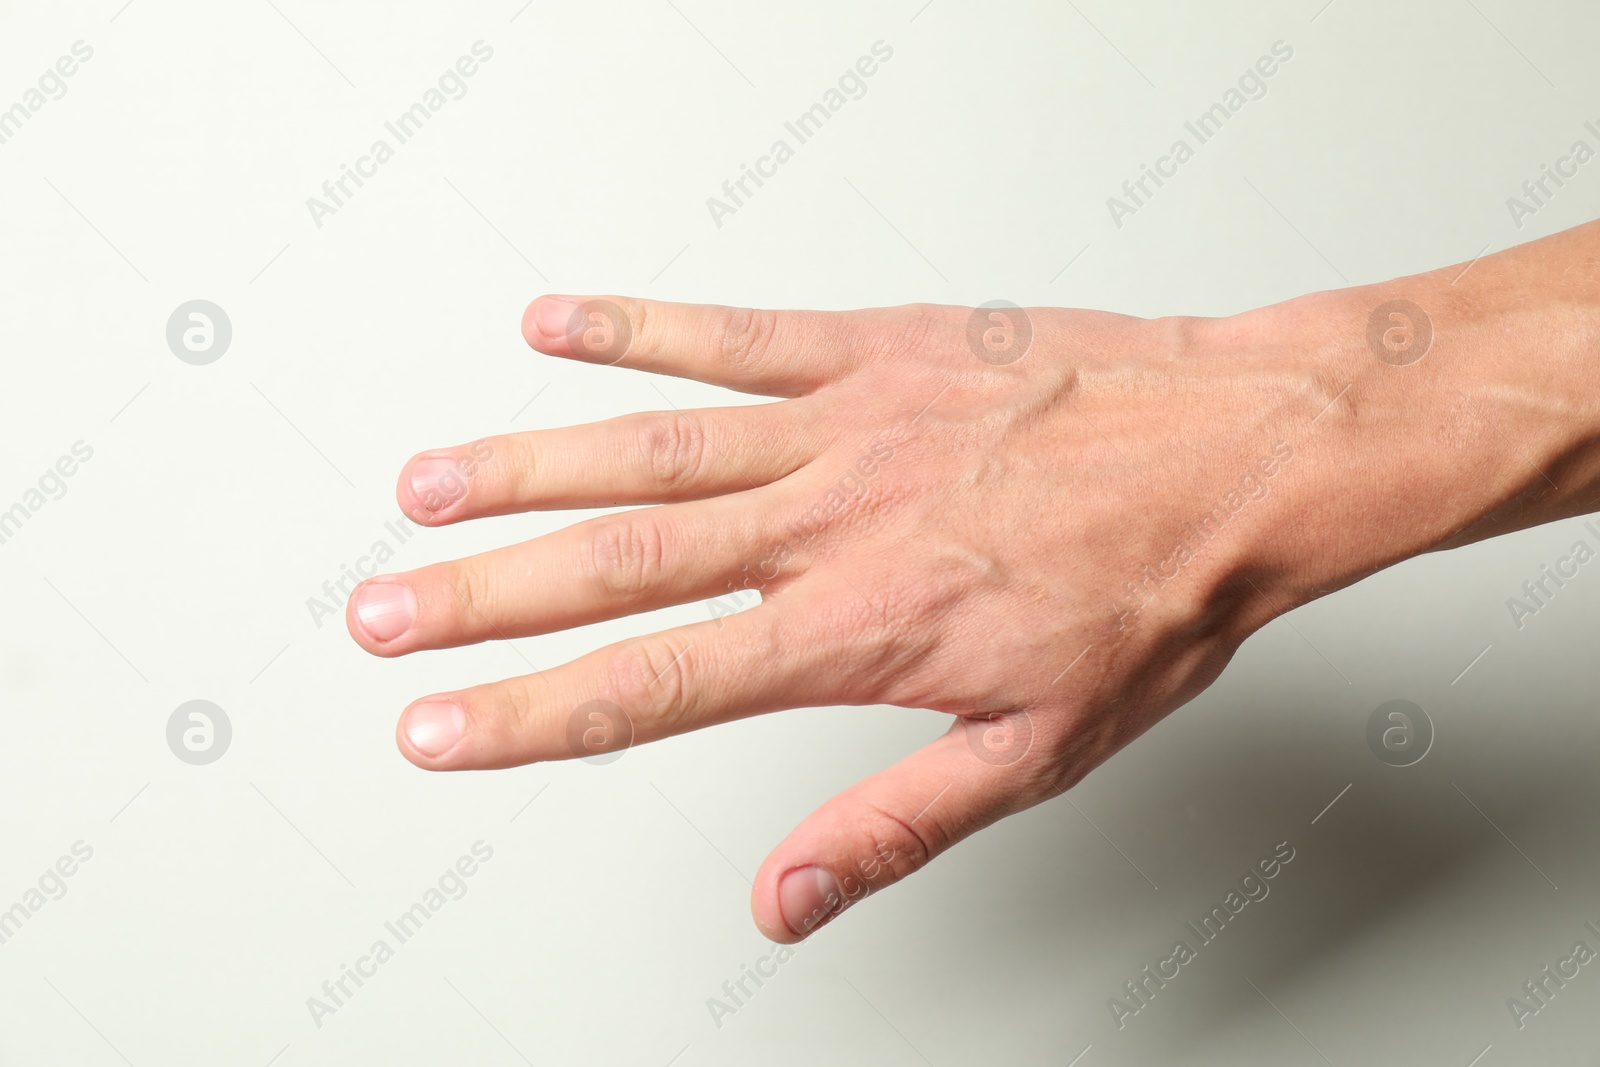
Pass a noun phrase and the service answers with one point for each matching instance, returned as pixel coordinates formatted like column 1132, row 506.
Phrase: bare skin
column 1057, row 526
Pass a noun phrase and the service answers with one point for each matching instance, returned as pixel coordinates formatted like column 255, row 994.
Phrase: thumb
column 890, row 825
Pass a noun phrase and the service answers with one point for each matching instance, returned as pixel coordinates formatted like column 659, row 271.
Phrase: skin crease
column 1057, row 551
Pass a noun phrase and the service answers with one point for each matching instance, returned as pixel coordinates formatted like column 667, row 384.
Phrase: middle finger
column 603, row 568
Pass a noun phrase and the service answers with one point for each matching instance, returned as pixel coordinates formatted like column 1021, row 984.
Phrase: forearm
column 1408, row 445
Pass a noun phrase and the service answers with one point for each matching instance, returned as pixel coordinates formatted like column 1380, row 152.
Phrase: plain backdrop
column 178, row 562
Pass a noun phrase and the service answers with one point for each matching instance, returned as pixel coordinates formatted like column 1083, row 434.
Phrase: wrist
column 1425, row 413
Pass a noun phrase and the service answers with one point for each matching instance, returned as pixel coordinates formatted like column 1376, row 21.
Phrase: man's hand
column 1056, row 526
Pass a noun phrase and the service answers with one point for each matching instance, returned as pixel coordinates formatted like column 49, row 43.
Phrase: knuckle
column 468, row 592
column 886, row 661
column 674, row 446
column 650, row 681
column 626, row 556
column 515, row 708
column 517, row 467
column 741, row 336
column 894, row 847
column 642, row 321
column 914, row 329
column 1331, row 394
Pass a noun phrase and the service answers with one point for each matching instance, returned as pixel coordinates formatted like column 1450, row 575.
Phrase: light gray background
column 219, row 498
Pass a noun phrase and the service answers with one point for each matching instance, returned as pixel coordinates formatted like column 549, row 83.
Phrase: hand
column 1056, row 526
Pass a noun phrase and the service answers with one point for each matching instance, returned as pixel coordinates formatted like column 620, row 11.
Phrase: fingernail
column 553, row 314
column 385, row 609
column 436, row 483
column 434, row 726
column 809, row 897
